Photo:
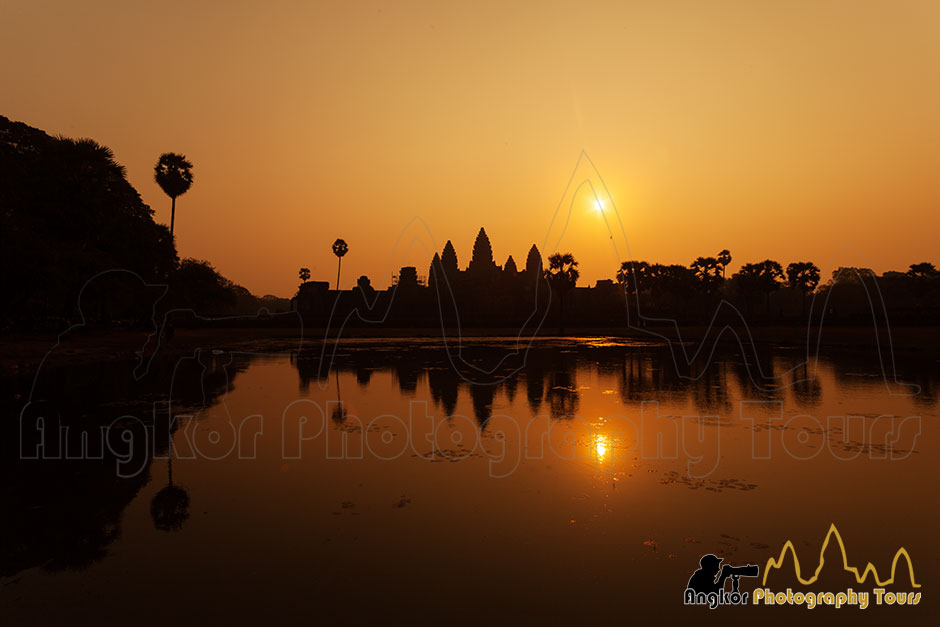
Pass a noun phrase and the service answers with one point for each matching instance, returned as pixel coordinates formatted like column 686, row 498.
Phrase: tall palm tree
column 339, row 249
column 174, row 175
column 562, row 275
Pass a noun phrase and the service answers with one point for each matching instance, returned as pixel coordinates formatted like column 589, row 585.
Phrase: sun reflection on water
column 601, row 446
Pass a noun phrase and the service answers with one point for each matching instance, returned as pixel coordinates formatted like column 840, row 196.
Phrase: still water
column 570, row 481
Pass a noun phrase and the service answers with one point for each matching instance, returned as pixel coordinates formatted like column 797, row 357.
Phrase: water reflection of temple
column 549, row 376
column 65, row 513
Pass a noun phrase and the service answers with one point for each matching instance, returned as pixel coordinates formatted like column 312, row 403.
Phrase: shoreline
column 23, row 353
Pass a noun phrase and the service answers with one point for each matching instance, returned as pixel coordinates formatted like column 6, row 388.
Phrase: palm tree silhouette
column 304, row 274
column 562, row 275
column 339, row 249
column 760, row 279
column 804, row 276
column 174, row 175
column 724, row 258
column 633, row 277
column 706, row 273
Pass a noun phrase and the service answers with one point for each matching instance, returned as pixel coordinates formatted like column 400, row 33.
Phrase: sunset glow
column 763, row 133
column 405, row 313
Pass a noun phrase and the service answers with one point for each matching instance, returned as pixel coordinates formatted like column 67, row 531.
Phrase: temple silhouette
column 483, row 294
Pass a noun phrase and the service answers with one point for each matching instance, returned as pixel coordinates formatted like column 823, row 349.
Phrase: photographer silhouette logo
column 707, row 584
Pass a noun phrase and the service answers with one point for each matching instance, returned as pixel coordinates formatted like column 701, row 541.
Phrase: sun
column 598, row 205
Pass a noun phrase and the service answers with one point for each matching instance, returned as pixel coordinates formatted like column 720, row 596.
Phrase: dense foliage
column 72, row 227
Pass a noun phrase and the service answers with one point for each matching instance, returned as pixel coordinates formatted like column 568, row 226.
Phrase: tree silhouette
column 923, row 270
column 707, row 272
column 304, row 274
column 633, row 277
column 760, row 278
column 68, row 212
column 724, row 258
column 925, row 284
column 804, row 276
column 562, row 275
column 339, row 249
column 197, row 284
column 174, row 175
column 674, row 281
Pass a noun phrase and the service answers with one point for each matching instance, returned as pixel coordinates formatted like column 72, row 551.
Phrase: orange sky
column 788, row 130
